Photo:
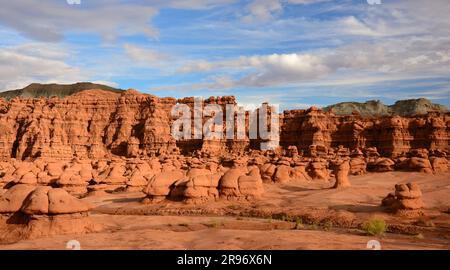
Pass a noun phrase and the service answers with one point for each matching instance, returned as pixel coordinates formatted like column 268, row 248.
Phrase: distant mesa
column 377, row 108
column 37, row 90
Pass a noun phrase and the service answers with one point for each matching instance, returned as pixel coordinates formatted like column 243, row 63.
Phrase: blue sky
column 295, row 53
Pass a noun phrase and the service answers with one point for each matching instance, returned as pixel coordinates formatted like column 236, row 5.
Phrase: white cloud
column 192, row 4
column 108, row 83
column 267, row 10
column 262, row 10
column 38, row 63
column 400, row 39
column 145, row 56
column 50, row 20
column 414, row 58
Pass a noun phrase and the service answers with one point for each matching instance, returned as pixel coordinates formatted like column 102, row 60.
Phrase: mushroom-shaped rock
column 137, row 181
column 237, row 183
column 420, row 164
column 318, row 169
column 381, row 165
column 357, row 166
column 36, row 203
column 251, row 185
column 116, row 175
column 61, row 202
column 267, row 172
column 11, row 201
column 341, row 173
column 159, row 186
column 439, row 164
column 229, row 183
column 283, row 173
column 299, row 171
column 406, row 197
column 202, row 187
column 55, row 169
column 28, row 178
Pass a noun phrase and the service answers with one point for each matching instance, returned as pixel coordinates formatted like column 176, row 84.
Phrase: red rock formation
column 407, row 197
column 91, row 123
column 341, row 171
column 27, row 211
column 391, row 135
column 99, row 141
column 98, row 124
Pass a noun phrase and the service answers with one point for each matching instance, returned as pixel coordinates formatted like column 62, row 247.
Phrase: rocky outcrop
column 315, row 132
column 92, row 123
column 27, row 212
column 377, row 108
column 37, row 90
column 97, row 141
column 407, row 197
column 341, row 171
column 40, row 200
column 358, row 165
column 99, row 124
column 237, row 183
column 160, row 186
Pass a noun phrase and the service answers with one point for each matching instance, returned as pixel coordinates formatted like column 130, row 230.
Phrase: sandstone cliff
column 99, row 124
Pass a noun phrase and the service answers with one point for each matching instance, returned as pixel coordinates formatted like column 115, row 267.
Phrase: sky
column 295, row 53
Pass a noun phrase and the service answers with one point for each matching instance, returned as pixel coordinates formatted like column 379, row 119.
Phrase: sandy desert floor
column 298, row 216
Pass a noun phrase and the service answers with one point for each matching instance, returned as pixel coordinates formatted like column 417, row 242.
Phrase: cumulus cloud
column 191, row 4
column 262, row 10
column 390, row 40
column 108, row 83
column 266, row 10
column 29, row 63
column 50, row 20
column 145, row 56
column 417, row 57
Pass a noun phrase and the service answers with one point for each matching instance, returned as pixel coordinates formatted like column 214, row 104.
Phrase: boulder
column 406, row 197
column 160, row 185
column 11, row 201
column 61, row 202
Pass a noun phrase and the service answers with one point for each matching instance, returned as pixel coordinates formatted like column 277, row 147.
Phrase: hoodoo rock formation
column 407, row 198
column 99, row 124
column 27, row 211
column 97, row 141
column 342, row 168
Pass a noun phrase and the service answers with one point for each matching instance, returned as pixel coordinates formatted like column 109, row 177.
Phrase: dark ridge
column 377, row 108
column 36, row 90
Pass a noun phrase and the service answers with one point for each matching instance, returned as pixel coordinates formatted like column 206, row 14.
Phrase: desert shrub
column 327, row 225
column 420, row 236
column 375, row 226
column 286, row 218
column 215, row 224
column 298, row 223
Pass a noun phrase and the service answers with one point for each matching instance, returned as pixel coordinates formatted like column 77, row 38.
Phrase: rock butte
column 98, row 141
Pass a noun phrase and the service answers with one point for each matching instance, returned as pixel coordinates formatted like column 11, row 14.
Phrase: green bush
column 298, row 223
column 375, row 226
